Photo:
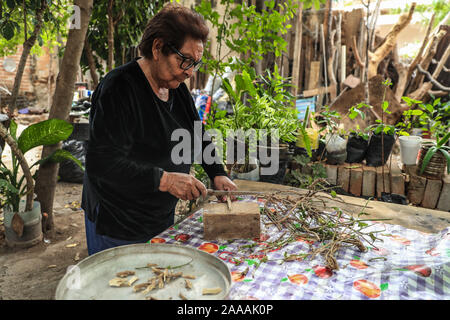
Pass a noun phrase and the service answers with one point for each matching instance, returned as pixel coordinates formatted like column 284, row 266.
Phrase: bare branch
column 433, row 81
column 416, row 60
column 419, row 93
column 356, row 53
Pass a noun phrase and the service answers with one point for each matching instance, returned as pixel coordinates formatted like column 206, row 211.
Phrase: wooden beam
column 297, row 50
column 318, row 91
column 417, row 218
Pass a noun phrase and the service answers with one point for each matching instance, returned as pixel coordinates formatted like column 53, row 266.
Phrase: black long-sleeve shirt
column 129, row 148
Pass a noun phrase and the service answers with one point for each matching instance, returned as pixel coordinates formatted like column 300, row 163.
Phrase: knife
column 235, row 192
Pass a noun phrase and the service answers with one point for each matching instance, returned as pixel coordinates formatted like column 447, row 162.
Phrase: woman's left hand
column 224, row 183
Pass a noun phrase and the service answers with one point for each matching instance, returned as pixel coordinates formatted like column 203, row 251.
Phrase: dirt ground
column 34, row 273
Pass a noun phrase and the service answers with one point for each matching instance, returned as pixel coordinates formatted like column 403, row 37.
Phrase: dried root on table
column 211, row 291
column 305, row 215
column 123, row 282
column 124, row 274
column 182, row 297
column 163, row 276
column 118, row 282
column 141, row 286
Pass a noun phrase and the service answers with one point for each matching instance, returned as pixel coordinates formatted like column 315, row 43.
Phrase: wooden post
column 343, row 65
column 324, row 52
column 338, row 46
column 297, row 50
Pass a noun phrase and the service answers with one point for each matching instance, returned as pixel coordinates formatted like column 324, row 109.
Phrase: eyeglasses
column 186, row 63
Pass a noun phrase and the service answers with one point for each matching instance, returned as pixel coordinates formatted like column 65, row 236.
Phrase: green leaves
column 5, row 184
column 59, row 156
column 410, row 102
column 447, row 156
column 8, row 31
column 44, row 133
column 443, row 141
column 430, row 153
column 438, row 147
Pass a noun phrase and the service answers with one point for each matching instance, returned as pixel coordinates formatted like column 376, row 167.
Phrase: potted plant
column 22, row 217
column 263, row 106
column 431, row 118
column 382, row 139
column 357, row 144
column 434, row 156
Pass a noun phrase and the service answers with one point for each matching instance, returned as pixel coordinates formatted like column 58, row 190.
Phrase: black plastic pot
column 316, row 154
column 356, row 149
column 373, row 154
column 336, row 157
column 285, row 155
column 278, row 177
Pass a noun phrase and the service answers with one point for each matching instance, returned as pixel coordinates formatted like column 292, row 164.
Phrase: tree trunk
column 389, row 42
column 402, row 71
column 62, row 101
column 91, row 62
column 27, row 45
column 110, row 62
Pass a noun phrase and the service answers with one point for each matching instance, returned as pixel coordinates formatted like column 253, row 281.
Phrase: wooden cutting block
column 241, row 222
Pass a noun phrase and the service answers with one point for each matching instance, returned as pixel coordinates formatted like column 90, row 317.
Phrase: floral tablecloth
column 403, row 264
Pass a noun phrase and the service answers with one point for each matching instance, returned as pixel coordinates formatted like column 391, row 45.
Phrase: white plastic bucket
column 409, row 148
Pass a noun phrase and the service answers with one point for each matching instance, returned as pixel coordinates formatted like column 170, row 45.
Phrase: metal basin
column 89, row 279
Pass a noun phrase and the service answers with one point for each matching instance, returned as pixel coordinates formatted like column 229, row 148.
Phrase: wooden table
column 417, row 218
column 403, row 264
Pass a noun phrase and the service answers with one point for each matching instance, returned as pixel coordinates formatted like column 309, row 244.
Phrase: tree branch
column 427, row 58
column 356, row 53
column 418, row 57
column 27, row 45
column 23, row 163
column 433, row 81
column 389, row 41
column 419, row 93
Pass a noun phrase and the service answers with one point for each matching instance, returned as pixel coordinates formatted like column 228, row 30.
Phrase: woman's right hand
column 182, row 185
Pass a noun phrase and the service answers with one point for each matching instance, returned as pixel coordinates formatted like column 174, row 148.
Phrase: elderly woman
column 132, row 184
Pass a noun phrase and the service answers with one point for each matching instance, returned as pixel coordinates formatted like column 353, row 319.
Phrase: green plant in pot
column 382, row 137
column 432, row 118
column 22, row 217
column 434, row 157
column 357, row 144
column 328, row 124
column 381, row 141
column 260, row 105
column 358, row 139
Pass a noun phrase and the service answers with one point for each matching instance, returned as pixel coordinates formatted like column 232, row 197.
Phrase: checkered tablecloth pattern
column 406, row 264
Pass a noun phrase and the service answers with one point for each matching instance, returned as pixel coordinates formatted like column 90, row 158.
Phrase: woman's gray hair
column 173, row 24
